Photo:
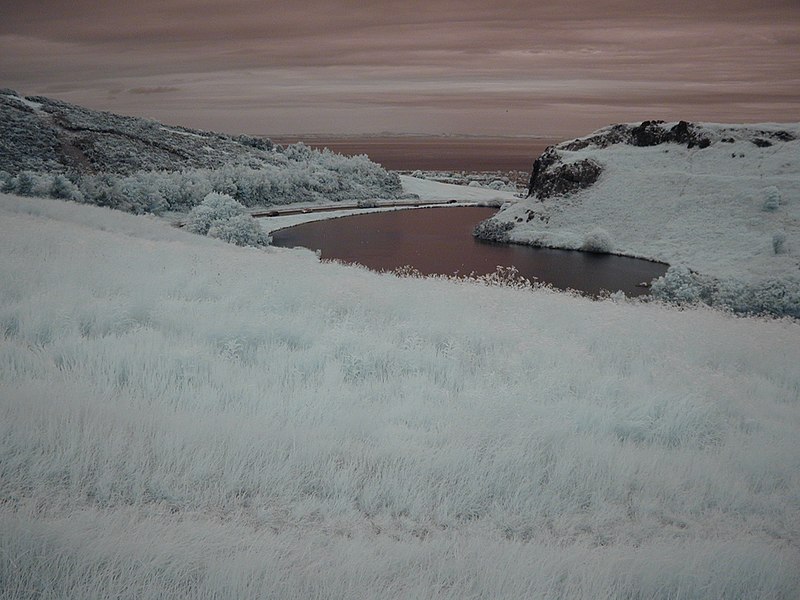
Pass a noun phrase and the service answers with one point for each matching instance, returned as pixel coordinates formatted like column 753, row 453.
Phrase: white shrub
column 220, row 216
column 43, row 183
column 63, row 188
column 597, row 240
column 300, row 174
column 772, row 198
column 678, row 285
column 24, row 183
column 768, row 297
column 214, row 207
column 241, row 230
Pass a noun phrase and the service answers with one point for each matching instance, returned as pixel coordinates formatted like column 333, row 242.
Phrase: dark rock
column 728, row 140
column 616, row 134
column 681, row 133
column 761, row 142
column 649, row 133
column 548, row 158
column 782, row 136
column 575, row 145
column 550, row 177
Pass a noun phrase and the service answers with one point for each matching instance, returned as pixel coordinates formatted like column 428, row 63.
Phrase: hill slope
column 721, row 200
column 43, row 134
column 183, row 418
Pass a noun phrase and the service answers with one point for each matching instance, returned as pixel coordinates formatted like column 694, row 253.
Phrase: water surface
column 438, row 241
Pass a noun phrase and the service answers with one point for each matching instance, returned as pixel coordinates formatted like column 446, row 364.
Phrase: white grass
column 182, row 418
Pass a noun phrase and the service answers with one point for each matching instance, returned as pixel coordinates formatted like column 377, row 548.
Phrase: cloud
column 160, row 89
column 727, row 58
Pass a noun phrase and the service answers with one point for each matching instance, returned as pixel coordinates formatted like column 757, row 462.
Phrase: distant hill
column 54, row 149
column 42, row 134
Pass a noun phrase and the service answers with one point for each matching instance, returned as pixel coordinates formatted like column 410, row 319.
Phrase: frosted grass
column 182, row 418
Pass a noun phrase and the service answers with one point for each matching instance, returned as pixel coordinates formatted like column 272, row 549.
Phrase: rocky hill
column 42, row 134
column 52, row 148
column 720, row 203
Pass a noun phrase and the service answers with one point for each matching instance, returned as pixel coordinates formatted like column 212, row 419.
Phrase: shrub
column 6, row 182
column 63, row 188
column 768, row 297
column 492, row 230
column 296, row 174
column 597, row 240
column 779, row 242
column 220, row 216
column 242, row 230
column 772, row 198
column 214, row 207
column 24, row 183
column 679, row 285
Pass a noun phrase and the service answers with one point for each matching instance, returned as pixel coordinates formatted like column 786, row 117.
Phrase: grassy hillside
column 184, row 418
column 719, row 203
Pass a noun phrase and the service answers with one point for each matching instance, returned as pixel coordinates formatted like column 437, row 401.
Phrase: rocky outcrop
column 551, row 177
column 555, row 173
column 647, row 133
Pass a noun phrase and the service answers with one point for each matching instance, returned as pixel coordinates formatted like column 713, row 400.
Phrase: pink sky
column 561, row 67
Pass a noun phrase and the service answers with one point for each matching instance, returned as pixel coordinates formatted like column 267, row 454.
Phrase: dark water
column 439, row 241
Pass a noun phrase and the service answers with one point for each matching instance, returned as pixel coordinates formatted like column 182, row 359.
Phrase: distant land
column 433, row 153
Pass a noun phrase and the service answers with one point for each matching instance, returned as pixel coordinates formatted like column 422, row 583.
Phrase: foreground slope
column 722, row 200
column 187, row 419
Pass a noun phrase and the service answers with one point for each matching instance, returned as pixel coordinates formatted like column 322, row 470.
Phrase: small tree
column 63, row 188
column 6, row 182
column 25, row 183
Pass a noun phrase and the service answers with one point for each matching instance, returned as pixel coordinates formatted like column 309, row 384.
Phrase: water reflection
column 439, row 241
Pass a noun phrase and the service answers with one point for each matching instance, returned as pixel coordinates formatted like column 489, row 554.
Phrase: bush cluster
column 299, row 174
column 220, row 216
column 769, row 297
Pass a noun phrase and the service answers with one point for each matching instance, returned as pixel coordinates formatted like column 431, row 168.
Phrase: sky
column 488, row 67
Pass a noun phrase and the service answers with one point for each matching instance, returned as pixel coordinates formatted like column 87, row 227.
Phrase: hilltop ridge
column 44, row 134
